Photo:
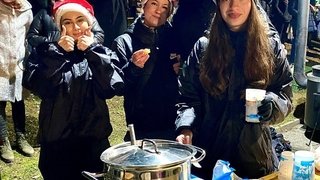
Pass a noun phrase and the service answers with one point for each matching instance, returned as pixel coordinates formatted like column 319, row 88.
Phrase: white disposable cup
column 253, row 101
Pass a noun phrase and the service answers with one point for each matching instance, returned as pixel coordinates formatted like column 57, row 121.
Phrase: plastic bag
column 222, row 171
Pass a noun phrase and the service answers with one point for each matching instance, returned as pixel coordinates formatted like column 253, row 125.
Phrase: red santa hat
column 81, row 6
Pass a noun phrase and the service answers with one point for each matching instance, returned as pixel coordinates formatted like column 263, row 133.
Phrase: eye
column 66, row 22
column 80, row 20
column 165, row 7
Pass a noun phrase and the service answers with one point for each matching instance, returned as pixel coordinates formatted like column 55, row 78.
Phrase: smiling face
column 75, row 23
column 156, row 12
column 235, row 13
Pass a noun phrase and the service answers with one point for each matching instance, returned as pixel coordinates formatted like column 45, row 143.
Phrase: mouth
column 234, row 15
column 78, row 34
column 156, row 16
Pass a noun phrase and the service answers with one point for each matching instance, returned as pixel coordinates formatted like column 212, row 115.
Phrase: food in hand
column 146, row 51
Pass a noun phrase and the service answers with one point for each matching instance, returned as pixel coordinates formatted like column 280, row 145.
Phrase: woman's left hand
column 85, row 40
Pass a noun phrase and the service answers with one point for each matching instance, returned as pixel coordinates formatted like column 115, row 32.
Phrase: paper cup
column 253, row 100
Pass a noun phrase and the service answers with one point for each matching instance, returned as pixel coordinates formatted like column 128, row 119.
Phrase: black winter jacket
column 219, row 123
column 44, row 30
column 73, row 87
column 150, row 96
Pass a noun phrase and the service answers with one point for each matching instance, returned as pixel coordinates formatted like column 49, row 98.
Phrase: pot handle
column 195, row 161
column 153, row 143
column 92, row 176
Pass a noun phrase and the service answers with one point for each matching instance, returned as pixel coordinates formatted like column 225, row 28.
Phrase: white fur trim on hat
column 72, row 7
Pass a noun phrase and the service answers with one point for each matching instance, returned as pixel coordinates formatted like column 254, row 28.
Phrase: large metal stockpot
column 150, row 160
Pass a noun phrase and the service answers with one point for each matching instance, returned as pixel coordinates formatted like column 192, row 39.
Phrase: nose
column 76, row 26
column 158, row 10
column 233, row 3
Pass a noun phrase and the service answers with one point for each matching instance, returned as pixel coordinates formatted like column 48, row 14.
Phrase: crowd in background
column 142, row 60
column 284, row 16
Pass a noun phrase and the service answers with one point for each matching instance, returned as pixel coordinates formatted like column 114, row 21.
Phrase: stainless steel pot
column 150, row 160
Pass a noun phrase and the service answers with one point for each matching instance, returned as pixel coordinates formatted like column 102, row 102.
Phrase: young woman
column 75, row 77
column 240, row 52
column 149, row 73
column 44, row 30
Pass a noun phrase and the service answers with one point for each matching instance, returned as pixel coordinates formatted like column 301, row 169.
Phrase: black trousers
column 66, row 159
column 18, row 117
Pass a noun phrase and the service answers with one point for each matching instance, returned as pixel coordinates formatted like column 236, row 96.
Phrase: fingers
column 86, row 40
column 184, row 139
column 176, row 67
column 265, row 111
column 88, row 32
column 140, row 57
column 64, row 31
column 67, row 43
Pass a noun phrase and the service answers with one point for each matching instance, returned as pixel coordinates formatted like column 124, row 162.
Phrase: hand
column 140, row 57
column 265, row 110
column 185, row 137
column 176, row 67
column 85, row 40
column 176, row 58
column 65, row 41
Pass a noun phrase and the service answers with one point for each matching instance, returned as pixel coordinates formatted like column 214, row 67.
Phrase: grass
column 26, row 168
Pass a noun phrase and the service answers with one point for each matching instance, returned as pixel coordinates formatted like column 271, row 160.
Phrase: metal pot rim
column 139, row 156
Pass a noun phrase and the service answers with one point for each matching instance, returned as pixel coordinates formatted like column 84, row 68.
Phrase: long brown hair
column 217, row 60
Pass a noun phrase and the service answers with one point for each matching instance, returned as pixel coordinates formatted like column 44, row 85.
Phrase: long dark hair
column 258, row 63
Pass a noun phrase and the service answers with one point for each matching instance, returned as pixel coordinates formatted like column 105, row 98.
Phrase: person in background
column 74, row 77
column 293, row 10
column 112, row 16
column 44, row 30
column 312, row 24
column 15, row 19
column 281, row 18
column 150, row 70
column 37, row 5
column 266, row 5
column 190, row 21
column 240, row 52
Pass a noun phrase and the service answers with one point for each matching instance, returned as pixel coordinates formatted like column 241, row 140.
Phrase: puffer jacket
column 150, row 96
column 73, row 87
column 44, row 30
column 219, row 123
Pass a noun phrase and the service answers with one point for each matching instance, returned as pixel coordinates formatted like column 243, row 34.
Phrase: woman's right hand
column 185, row 137
column 140, row 57
column 65, row 41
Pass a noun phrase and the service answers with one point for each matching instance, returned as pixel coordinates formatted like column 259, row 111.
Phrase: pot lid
column 148, row 153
